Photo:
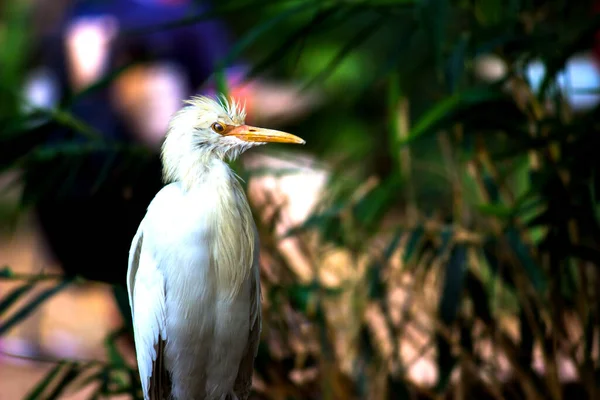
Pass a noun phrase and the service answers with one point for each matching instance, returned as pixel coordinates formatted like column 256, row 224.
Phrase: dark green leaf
column 6, row 272
column 443, row 111
column 456, row 64
column 523, row 253
column 13, row 296
column 414, row 241
column 434, row 17
column 351, row 45
column 71, row 372
column 28, row 308
column 448, row 309
column 445, row 362
column 319, row 19
column 479, row 299
column 122, row 300
column 135, row 388
column 372, row 207
column 44, row 384
column 302, row 295
column 454, row 278
column 397, row 389
column 375, row 283
column 496, row 210
column 114, row 356
column 262, row 28
column 527, row 339
column 393, row 244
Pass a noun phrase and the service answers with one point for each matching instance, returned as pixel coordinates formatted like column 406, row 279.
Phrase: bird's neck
column 193, row 169
column 230, row 219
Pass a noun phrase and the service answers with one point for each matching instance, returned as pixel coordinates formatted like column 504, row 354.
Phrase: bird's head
column 206, row 129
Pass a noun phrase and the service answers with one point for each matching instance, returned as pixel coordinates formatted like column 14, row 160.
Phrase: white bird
column 193, row 276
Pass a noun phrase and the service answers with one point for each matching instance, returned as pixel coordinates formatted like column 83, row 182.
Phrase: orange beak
column 254, row 134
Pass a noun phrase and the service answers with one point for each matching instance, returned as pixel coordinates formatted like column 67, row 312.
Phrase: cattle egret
column 193, row 276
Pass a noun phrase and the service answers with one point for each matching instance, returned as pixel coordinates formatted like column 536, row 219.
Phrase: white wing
column 243, row 381
column 146, row 289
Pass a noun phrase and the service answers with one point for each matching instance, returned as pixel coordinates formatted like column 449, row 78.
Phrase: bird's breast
column 203, row 240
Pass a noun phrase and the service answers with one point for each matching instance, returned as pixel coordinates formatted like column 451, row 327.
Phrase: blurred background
column 438, row 237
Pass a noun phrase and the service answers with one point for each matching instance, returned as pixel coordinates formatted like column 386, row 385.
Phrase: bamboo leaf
column 260, row 29
column 372, row 207
column 496, row 210
column 14, row 295
column 448, row 309
column 44, row 384
column 122, row 299
column 376, row 285
column 5, row 272
column 445, row 362
column 27, row 309
column 114, row 356
column 72, row 370
column 434, row 17
column 479, row 298
column 318, row 20
column 351, row 45
column 394, row 243
column 527, row 339
column 531, row 268
column 414, row 241
column 454, row 278
column 456, row 64
column 443, row 111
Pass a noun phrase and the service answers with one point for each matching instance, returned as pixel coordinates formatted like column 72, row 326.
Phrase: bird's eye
column 217, row 127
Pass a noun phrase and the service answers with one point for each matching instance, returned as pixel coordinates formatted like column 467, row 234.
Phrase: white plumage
column 193, row 277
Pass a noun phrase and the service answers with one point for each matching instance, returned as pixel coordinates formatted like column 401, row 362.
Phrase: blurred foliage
column 476, row 199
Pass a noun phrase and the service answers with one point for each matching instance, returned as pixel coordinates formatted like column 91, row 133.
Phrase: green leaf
column 260, row 29
column 454, row 278
column 122, row 300
column 397, row 389
column 376, row 286
column 456, row 64
column 372, row 207
column 532, row 269
column 490, row 12
column 413, row 242
column 302, row 295
column 394, row 243
column 297, row 35
column 135, row 390
column 444, row 110
column 448, row 309
column 114, row 356
column 6, row 272
column 351, row 45
column 13, row 296
column 27, row 309
column 527, row 339
column 72, row 370
column 44, row 384
column 479, row 299
column 434, row 19
column 496, row 210
column 445, row 362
